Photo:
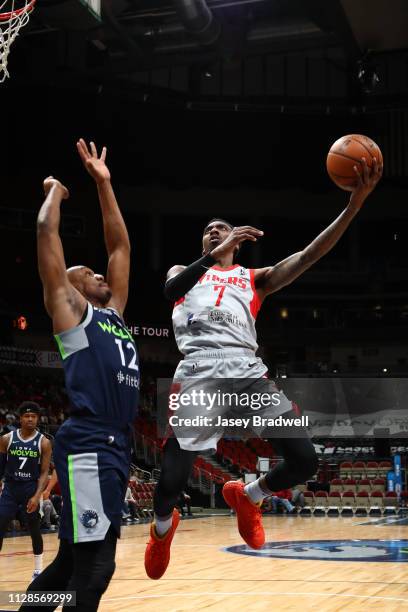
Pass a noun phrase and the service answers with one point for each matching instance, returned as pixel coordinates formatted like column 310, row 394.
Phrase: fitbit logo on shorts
column 90, row 519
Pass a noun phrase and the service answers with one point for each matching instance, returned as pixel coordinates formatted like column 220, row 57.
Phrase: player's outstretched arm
column 269, row 280
column 33, row 502
column 180, row 279
column 63, row 302
column 115, row 232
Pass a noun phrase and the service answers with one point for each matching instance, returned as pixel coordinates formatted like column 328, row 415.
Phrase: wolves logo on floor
column 331, row 550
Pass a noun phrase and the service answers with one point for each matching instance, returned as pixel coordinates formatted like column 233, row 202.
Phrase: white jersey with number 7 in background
column 219, row 312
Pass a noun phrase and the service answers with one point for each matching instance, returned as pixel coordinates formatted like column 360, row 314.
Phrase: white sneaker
column 35, row 574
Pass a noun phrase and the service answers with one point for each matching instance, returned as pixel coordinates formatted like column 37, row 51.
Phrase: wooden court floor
column 204, row 576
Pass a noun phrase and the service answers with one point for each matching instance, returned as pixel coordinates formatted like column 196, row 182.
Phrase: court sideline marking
column 257, row 594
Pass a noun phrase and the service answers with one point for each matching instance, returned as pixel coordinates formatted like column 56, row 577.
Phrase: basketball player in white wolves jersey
column 216, row 304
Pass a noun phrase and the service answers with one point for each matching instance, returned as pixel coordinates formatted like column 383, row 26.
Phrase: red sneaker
column 157, row 555
column 248, row 514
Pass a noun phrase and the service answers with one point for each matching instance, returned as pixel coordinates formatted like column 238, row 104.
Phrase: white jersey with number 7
column 219, row 312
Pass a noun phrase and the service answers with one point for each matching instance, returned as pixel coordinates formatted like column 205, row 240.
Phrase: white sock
column 255, row 492
column 162, row 525
column 38, row 562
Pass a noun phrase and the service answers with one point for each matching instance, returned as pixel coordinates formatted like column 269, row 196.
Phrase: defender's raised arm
column 115, row 232
column 63, row 303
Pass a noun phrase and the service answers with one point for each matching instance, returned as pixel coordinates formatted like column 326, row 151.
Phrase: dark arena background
column 224, row 108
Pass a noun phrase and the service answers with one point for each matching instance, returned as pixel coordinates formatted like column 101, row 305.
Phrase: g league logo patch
column 331, row 550
column 89, row 519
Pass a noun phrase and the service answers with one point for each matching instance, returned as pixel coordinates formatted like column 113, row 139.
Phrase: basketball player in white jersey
column 216, row 304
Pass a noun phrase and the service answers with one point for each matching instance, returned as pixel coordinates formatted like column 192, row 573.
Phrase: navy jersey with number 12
column 101, row 367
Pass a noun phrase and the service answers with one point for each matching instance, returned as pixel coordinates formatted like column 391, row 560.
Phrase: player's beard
column 100, row 295
column 105, row 296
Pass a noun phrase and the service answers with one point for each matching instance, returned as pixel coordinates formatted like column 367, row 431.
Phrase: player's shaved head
column 72, row 272
column 72, row 268
column 92, row 286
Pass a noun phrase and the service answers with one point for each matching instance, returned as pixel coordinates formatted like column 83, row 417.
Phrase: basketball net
column 10, row 24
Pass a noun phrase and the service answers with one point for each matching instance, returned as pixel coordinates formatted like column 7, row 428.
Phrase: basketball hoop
column 10, row 24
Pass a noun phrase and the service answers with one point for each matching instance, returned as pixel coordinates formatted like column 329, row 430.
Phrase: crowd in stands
column 357, row 483
column 49, row 394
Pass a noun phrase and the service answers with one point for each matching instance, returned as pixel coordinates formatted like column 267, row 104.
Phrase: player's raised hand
column 238, row 235
column 51, row 182
column 95, row 165
column 366, row 180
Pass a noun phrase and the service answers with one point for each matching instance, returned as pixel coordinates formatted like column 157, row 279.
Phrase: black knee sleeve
column 33, row 524
column 307, row 465
column 299, row 464
column 174, row 475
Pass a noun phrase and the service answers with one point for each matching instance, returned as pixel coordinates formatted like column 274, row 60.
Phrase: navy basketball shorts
column 15, row 496
column 92, row 463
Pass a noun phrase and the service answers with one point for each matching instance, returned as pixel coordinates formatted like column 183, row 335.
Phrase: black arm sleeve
column 178, row 286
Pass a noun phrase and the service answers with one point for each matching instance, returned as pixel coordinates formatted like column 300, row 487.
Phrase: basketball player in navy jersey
column 24, row 461
column 92, row 447
column 216, row 304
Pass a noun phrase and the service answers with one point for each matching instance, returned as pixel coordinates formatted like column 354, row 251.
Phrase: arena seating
column 348, row 503
column 238, row 454
column 364, row 484
column 215, row 473
column 359, row 496
column 143, row 495
column 350, row 485
column 321, row 503
column 309, row 503
column 358, row 469
column 362, row 502
column 383, row 468
column 378, row 484
column 372, row 469
column 376, row 503
column 390, row 502
column 336, row 485
column 346, row 468
column 360, row 488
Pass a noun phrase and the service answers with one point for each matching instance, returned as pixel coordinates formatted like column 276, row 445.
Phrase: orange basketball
column 346, row 153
